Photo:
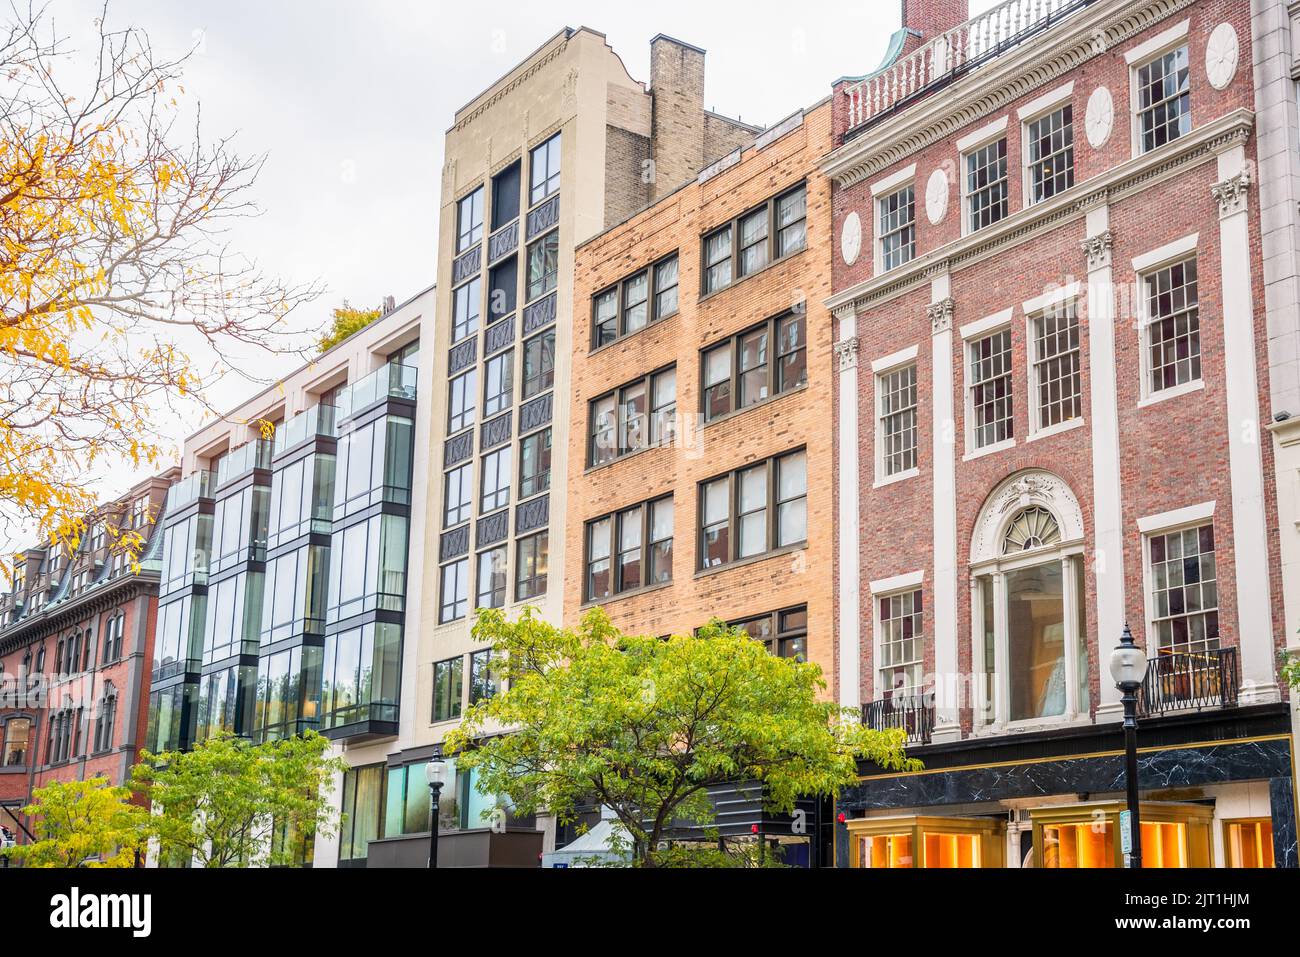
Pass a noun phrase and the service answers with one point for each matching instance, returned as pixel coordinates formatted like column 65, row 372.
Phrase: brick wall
column 790, row 421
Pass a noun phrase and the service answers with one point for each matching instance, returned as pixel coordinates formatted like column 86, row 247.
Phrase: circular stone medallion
column 851, row 238
column 1222, row 53
column 936, row 197
column 1100, row 118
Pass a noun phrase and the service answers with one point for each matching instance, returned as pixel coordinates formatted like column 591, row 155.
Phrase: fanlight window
column 1033, row 528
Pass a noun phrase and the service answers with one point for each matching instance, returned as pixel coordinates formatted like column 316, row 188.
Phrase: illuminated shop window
column 927, row 842
column 1248, row 843
column 1087, row 836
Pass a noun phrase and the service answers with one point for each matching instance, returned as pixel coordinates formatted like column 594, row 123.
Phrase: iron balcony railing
column 1178, row 681
column 950, row 55
column 913, row 713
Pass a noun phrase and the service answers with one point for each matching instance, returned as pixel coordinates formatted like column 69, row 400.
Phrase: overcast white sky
column 350, row 101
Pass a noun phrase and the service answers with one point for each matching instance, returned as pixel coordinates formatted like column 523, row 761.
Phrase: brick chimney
column 927, row 19
column 677, row 125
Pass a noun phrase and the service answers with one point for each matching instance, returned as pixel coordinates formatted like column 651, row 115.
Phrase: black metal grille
column 913, row 713
column 1180, row 680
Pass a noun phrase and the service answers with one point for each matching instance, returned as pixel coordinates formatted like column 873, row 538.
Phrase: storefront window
column 1248, row 843
column 926, row 842
column 363, row 811
column 1086, row 836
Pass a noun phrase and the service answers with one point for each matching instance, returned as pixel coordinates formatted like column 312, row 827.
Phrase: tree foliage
column 115, row 265
column 83, row 824
column 1290, row 669
column 347, row 321
column 222, row 803
column 645, row 726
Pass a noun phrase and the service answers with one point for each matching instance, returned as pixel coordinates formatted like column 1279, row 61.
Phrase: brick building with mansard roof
column 1047, row 300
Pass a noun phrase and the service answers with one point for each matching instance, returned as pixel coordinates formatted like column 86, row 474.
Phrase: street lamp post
column 1128, row 666
column 436, row 773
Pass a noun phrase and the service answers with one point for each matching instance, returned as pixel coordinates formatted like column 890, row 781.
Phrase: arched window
column 106, row 719
column 114, row 628
column 17, row 741
column 1029, row 628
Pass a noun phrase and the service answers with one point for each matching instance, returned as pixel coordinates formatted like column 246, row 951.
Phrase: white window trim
column 1191, row 516
column 1034, row 309
column 891, row 185
column 969, row 144
column 879, row 368
column 980, row 329
column 898, row 585
column 1032, row 112
column 1139, row 56
column 1143, row 266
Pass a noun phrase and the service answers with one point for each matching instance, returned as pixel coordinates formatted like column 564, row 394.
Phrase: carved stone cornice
column 1231, row 193
column 846, row 353
column 940, row 314
column 1097, row 248
column 1032, row 65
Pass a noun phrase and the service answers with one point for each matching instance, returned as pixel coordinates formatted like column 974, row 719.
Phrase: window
column 1164, row 100
column 455, row 591
column 106, row 720
column 373, row 465
column 361, row 672
column 503, row 288
column 447, row 676
column 901, row 653
column 368, row 567
column 744, row 246
column 498, row 383
column 783, row 633
column 495, row 480
column 1051, row 154
column 986, row 185
column 492, row 578
column 460, row 404
column 530, row 566
column 505, row 196
column 483, row 680
column 1184, row 590
column 897, row 420
column 628, row 307
column 544, row 165
column 1173, row 326
column 1059, row 393
column 1249, row 842
column 543, row 265
column 539, row 364
column 897, row 229
column 990, row 389
column 114, row 632
column 362, row 817
column 466, row 303
column 469, row 220
column 637, row 416
column 535, row 463
column 638, row 541
column 754, row 510
column 756, row 377
column 458, row 501
column 17, row 741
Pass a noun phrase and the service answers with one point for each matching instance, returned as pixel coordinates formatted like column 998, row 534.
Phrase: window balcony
column 914, row 714
column 949, row 56
column 189, row 490
column 1186, row 680
column 393, row 381
column 246, row 458
column 318, row 421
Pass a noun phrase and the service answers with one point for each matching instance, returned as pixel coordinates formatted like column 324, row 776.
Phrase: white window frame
column 973, row 142
column 1139, row 56
column 887, row 588
column 1031, row 113
column 881, row 368
column 1034, row 309
column 971, row 333
column 881, row 190
column 1175, row 520
column 1144, row 266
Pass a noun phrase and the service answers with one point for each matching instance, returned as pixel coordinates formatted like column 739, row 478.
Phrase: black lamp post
column 1128, row 666
column 436, row 773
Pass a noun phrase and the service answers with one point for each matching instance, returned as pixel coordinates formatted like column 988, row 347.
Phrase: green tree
column 1290, row 667
column 223, row 803
column 83, row 824
column 645, row 726
column 347, row 321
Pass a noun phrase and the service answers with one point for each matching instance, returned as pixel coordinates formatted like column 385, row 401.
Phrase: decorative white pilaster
column 1245, row 465
column 1107, row 559
column 850, row 619
column 943, row 429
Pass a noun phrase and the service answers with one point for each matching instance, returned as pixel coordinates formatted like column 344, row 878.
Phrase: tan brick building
column 699, row 436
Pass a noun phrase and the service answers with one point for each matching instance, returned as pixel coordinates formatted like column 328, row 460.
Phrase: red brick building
column 1048, row 302
column 76, row 643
